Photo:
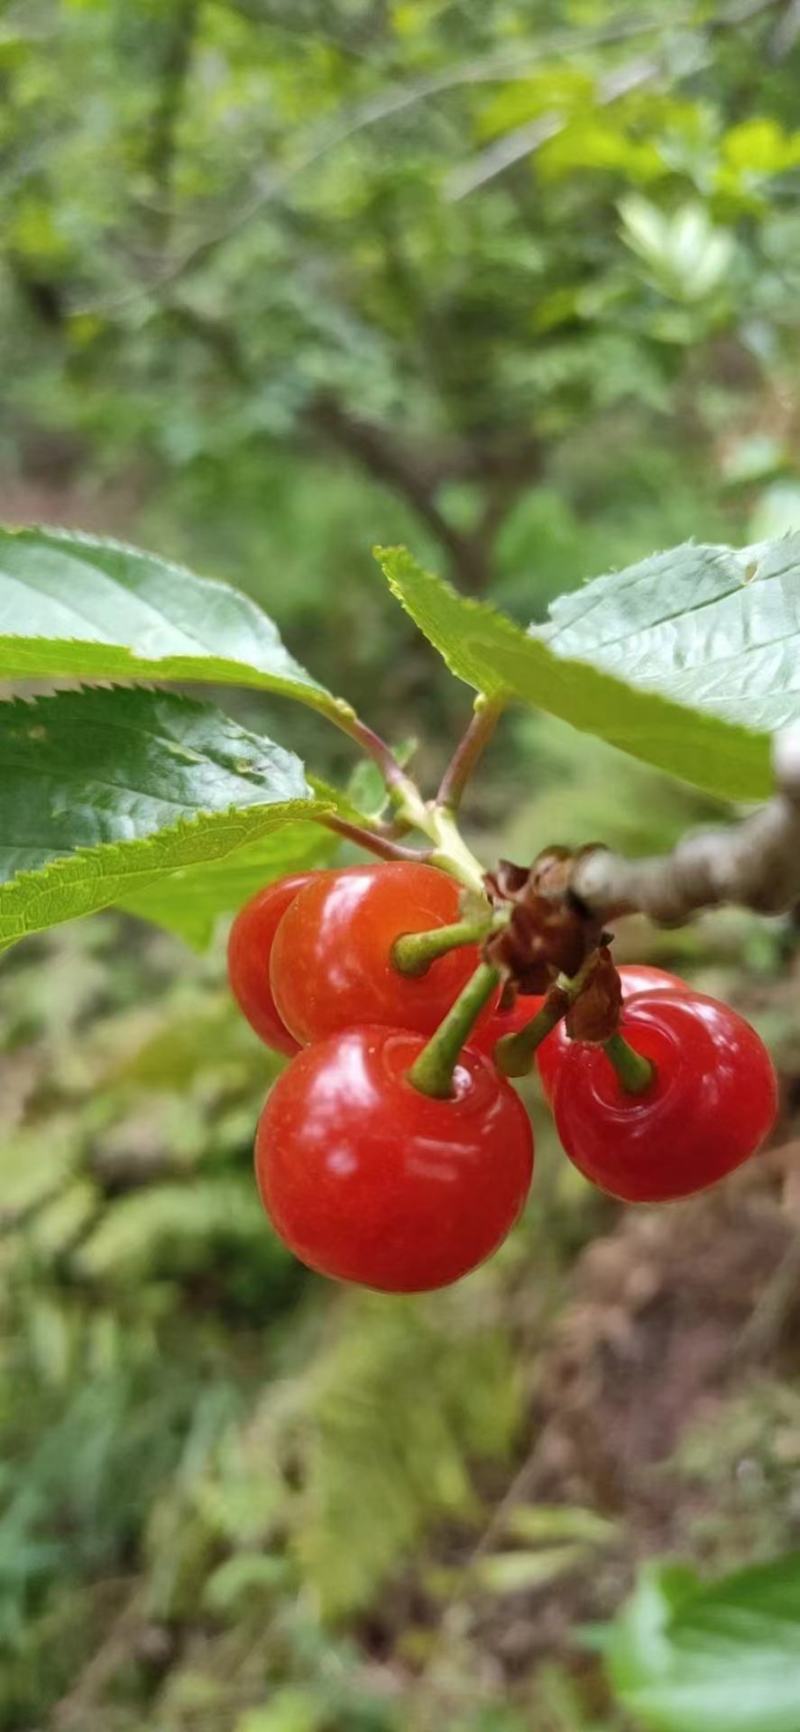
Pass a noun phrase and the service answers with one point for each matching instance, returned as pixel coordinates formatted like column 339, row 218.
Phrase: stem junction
column 433, row 819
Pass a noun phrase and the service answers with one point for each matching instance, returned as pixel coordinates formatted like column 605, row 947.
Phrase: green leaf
column 687, row 660
column 339, row 800
column 173, row 1218
column 74, row 606
column 759, row 146
column 189, row 902
column 103, row 792
column 686, row 254
column 724, row 1658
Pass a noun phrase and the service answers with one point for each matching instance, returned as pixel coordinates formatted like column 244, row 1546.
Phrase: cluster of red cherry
column 372, row 1176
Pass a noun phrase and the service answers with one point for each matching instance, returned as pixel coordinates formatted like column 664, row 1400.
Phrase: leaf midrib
column 44, row 775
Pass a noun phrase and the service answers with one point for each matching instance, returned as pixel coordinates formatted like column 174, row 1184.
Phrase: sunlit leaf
column 688, row 660
column 75, row 606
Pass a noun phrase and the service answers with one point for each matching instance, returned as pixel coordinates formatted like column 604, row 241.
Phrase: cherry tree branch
column 755, row 863
column 416, row 470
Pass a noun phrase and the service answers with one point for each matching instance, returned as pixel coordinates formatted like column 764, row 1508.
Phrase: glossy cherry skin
column 712, row 1103
column 367, row 1180
column 331, row 961
column 249, row 949
column 485, row 1037
column 634, row 977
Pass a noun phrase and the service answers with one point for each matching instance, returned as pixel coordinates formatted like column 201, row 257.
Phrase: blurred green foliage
column 517, row 285
column 199, row 1440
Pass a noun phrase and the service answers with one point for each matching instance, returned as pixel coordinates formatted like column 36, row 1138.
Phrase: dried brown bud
column 551, row 871
column 506, row 882
column 541, row 940
column 548, row 932
column 594, row 1015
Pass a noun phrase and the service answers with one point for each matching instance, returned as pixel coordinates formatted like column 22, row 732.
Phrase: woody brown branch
column 755, row 864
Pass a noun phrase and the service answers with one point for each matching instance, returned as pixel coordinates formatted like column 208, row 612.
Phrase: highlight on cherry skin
column 634, row 977
column 331, row 964
column 249, row 949
column 711, row 1103
column 368, row 1180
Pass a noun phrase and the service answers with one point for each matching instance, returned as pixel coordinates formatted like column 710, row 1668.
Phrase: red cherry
column 368, row 1180
column 331, row 962
column 634, row 977
column 485, row 1037
column 710, row 1106
column 249, row 949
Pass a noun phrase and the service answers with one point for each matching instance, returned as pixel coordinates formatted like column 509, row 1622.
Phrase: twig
column 755, row 863
column 392, row 772
column 161, row 137
column 449, row 850
column 484, row 720
column 384, row 453
column 372, row 840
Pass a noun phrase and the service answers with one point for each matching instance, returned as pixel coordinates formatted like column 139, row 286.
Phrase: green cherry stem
column 635, row 1073
column 414, row 952
column 432, row 1072
column 514, row 1052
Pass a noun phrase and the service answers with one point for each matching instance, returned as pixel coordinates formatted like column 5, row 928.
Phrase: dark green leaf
column 104, row 792
column 189, row 902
